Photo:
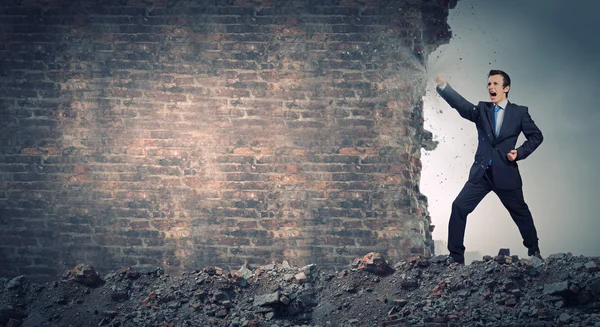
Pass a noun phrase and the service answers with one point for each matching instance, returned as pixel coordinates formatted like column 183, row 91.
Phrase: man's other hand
column 440, row 80
column 512, row 155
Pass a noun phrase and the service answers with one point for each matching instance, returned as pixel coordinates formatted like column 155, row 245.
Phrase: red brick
column 292, row 169
column 247, row 224
column 139, row 225
column 353, row 225
column 77, row 169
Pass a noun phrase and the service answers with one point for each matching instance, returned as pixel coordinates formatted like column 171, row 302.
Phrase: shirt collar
column 503, row 104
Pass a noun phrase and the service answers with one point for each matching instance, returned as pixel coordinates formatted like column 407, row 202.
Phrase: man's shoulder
column 484, row 104
column 519, row 109
column 518, row 106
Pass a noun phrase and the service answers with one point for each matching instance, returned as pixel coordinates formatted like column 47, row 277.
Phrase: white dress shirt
column 500, row 117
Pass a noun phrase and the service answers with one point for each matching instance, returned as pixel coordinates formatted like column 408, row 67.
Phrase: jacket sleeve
column 465, row 108
column 532, row 133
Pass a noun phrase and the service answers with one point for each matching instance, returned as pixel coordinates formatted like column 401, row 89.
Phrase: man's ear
column 506, row 89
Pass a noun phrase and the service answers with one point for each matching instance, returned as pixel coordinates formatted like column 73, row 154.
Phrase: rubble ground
column 562, row 290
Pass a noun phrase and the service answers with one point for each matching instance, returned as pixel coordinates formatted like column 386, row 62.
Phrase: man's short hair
column 505, row 77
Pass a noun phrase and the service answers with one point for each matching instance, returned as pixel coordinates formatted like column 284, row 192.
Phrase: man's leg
column 466, row 201
column 514, row 202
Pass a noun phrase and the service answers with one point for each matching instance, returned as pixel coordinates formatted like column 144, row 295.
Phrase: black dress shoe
column 451, row 260
column 534, row 252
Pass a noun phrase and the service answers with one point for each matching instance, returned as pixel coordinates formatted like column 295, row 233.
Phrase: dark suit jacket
column 516, row 120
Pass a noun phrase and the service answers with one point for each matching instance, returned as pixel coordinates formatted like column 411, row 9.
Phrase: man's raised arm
column 465, row 108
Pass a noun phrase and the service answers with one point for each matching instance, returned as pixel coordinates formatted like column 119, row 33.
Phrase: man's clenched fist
column 512, row 155
column 440, row 80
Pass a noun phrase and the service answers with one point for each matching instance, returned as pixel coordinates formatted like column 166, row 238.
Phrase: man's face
column 496, row 89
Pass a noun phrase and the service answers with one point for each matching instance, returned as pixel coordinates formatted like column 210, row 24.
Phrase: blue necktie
column 496, row 130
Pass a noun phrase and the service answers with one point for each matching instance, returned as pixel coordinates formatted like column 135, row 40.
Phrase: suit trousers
column 470, row 196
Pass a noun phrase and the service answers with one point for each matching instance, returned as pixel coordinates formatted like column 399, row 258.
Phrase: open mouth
column 492, row 93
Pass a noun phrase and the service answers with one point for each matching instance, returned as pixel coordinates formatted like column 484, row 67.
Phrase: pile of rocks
column 563, row 290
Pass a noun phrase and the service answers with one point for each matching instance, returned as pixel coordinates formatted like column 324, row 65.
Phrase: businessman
column 499, row 123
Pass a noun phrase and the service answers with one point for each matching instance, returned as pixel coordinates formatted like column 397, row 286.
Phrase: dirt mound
column 563, row 290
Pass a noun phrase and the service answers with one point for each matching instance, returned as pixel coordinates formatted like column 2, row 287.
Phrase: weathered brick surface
column 191, row 133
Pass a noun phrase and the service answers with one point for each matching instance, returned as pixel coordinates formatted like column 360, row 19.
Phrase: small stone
column 284, row 299
column 214, row 271
column 591, row 266
column 266, row 299
column 308, row 269
column 267, row 267
column 556, row 288
column 536, row 262
column 516, row 292
column 16, row 282
column 247, row 273
column 564, row 317
column 219, row 296
column 373, row 262
column 437, row 259
column 543, row 314
column 557, row 256
column 308, row 299
column 486, row 294
column 400, row 302
column 575, row 289
column 409, row 284
column 423, row 263
column 300, row 277
column 594, row 286
column 511, row 301
column 84, row 274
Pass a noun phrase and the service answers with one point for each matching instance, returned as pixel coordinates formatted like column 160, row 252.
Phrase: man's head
column 498, row 85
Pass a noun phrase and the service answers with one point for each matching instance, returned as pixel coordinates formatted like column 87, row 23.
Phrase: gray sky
column 551, row 50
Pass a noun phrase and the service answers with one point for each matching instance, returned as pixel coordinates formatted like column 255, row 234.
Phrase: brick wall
column 213, row 132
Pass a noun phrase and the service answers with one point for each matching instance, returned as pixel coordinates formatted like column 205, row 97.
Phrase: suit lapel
column 489, row 110
column 508, row 114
